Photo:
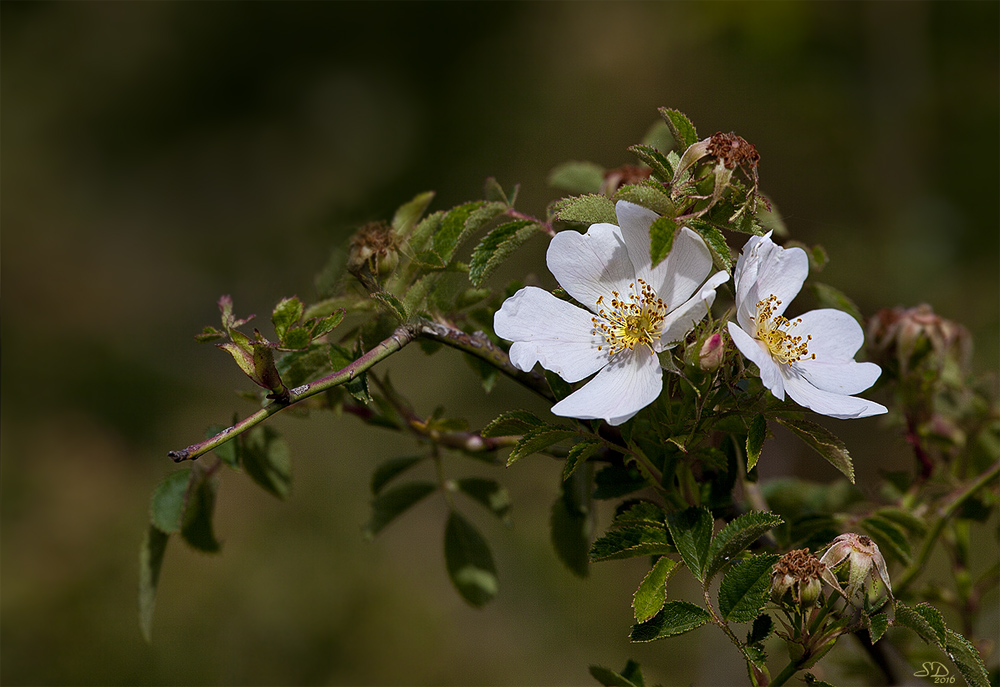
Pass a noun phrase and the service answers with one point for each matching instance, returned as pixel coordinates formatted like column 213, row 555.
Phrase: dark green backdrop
column 158, row 155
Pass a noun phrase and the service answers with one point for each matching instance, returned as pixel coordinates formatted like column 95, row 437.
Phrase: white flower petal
column 830, row 403
column 836, row 336
column 683, row 270
column 552, row 332
column 682, row 320
column 769, row 270
column 628, row 384
column 770, row 374
column 590, row 265
column 634, row 222
column 840, row 377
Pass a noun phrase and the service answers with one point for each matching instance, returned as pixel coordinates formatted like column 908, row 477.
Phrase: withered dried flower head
column 732, row 150
column 798, row 572
column 864, row 563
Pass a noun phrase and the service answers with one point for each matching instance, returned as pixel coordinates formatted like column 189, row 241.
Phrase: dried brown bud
column 375, row 245
column 899, row 332
column 798, row 572
column 732, row 150
column 620, row 176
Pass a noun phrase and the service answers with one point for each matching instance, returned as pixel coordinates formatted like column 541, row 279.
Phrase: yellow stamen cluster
column 625, row 324
column 776, row 333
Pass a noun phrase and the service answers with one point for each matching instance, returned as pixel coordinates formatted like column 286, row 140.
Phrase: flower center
column 625, row 324
column 777, row 333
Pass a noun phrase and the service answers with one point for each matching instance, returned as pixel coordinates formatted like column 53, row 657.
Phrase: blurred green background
column 158, row 155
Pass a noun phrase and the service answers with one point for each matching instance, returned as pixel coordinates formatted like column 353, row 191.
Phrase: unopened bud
column 712, row 352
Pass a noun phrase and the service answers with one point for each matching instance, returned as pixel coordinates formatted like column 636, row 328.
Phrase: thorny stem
column 480, row 346
column 469, row 442
column 954, row 503
column 403, row 335
column 477, row 344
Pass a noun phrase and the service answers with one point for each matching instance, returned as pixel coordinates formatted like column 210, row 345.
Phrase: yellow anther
column 776, row 333
column 630, row 323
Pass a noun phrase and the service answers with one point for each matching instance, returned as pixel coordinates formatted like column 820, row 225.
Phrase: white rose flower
column 635, row 311
column 812, row 356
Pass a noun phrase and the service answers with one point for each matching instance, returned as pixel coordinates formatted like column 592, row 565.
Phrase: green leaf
column 493, row 191
column 629, row 542
column 423, row 232
column 488, row 492
column 391, row 503
column 154, row 546
column 652, row 592
column 512, row 422
column 829, row 297
column 661, row 238
column 744, row 589
column 538, row 439
column 340, row 358
column 655, row 160
column 680, row 127
column 577, row 177
column 469, row 561
column 640, row 513
column 589, row 209
column 389, row 469
column 968, row 661
column 391, row 305
column 812, row 681
column 823, row 441
column 877, row 625
column 197, row 529
column 649, row 194
column 266, row 460
column 691, row 530
column 923, row 619
column 676, row 617
column 298, row 367
column 736, row 536
column 325, row 325
column 579, row 454
column 497, row 246
column 618, row 480
column 570, row 534
column 408, row 214
column 610, row 678
column 911, row 523
column 889, row 537
column 209, row 334
column 755, row 440
column 716, row 242
column 452, row 231
column 286, row 315
column 169, row 500
column 762, row 627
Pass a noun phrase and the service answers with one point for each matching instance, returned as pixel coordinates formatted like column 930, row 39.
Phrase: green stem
column 403, row 335
column 959, row 498
column 786, row 672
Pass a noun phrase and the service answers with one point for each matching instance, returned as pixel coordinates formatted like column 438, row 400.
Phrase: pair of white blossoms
column 636, row 310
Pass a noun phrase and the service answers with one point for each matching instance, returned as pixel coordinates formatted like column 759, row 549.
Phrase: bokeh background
column 158, row 155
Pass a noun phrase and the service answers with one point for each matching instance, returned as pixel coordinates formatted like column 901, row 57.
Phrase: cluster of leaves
column 683, row 463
